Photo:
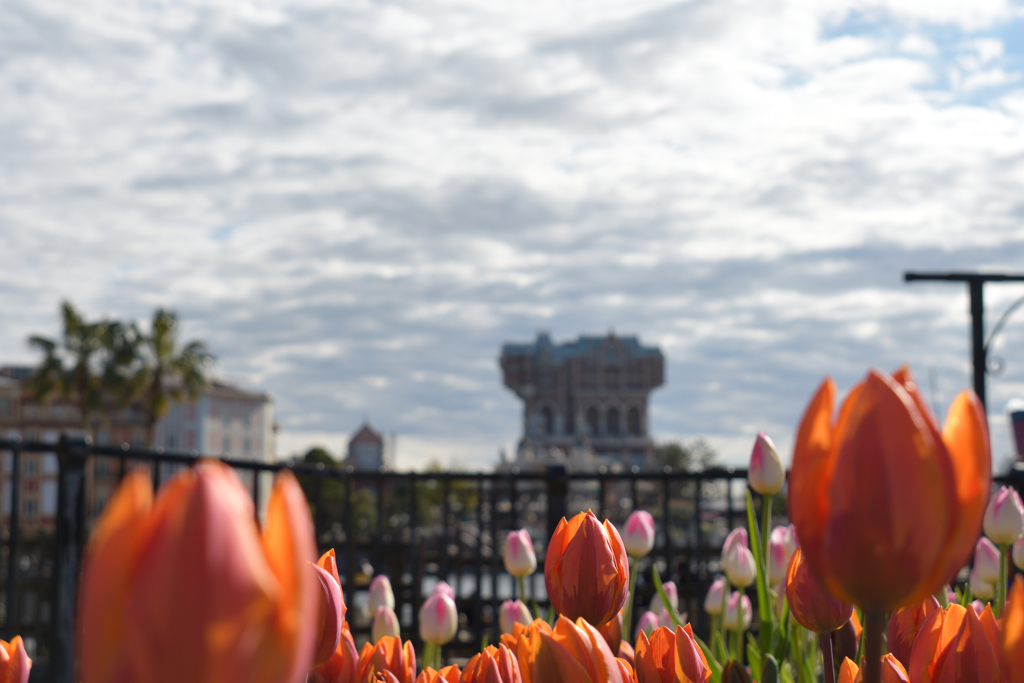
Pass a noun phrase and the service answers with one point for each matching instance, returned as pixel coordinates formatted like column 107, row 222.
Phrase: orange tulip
column 1013, row 633
column 184, row 587
column 904, row 625
column 577, row 653
column 809, row 602
column 449, row 674
column 955, row 646
column 332, row 608
column 612, row 632
column 848, row 671
column 887, row 509
column 586, row 570
column 14, row 662
column 892, row 671
column 670, row 657
column 493, row 665
column 524, row 641
column 341, row 667
column 387, row 654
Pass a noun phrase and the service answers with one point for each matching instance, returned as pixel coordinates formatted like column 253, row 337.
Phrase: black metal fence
column 417, row 528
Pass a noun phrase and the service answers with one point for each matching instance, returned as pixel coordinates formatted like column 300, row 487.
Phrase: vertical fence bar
column 602, row 492
column 378, row 541
column 317, row 507
column 72, row 454
column 701, row 566
column 495, row 553
column 10, row 619
column 446, row 489
column 350, row 540
column 665, row 521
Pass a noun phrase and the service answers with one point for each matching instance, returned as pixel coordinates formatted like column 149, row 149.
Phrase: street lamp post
column 975, row 284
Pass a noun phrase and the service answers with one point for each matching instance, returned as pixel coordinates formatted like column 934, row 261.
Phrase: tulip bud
column 571, row 651
column 443, row 587
column 439, row 619
column 980, row 588
column 1004, row 516
column 953, row 642
column 381, row 594
column 14, row 662
column 809, row 603
column 1018, row 554
column 766, row 474
column 492, row 665
column 331, row 615
column 781, row 546
column 612, row 632
column 713, row 600
column 513, row 612
column 671, row 592
column 385, row 623
column 639, row 536
column 586, row 570
column 739, row 566
column 738, row 611
column 986, row 560
column 647, row 623
column 737, row 536
column 848, row 671
column 341, row 667
column 449, row 674
column 520, row 559
column 389, row 655
column 893, row 671
column 734, row 672
column 904, row 625
column 668, row 656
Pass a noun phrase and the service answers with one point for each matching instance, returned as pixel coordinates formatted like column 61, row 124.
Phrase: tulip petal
column 812, row 463
column 1012, row 645
column 967, row 442
column 848, row 671
column 554, row 664
column 879, row 541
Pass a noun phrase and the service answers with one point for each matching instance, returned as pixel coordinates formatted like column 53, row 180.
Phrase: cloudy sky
column 355, row 203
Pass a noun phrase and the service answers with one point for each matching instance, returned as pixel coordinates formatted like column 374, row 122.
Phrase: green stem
column 725, row 604
column 766, row 529
column 874, row 623
column 522, row 589
column 1001, row 587
column 428, row 655
column 627, row 613
column 767, row 625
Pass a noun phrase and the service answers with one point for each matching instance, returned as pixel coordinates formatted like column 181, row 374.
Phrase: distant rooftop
column 583, row 346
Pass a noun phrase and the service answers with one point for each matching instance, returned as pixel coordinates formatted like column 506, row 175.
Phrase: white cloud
column 356, row 204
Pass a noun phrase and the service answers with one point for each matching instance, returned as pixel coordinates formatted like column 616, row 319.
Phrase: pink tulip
column 979, row 587
column 513, row 612
column 520, row 558
column 716, row 594
column 738, row 608
column 443, row 587
column 439, row 619
column 671, row 592
column 639, row 534
column 986, row 560
column 1004, row 517
column 381, row 594
column 737, row 536
column 647, row 623
column 332, row 615
column 739, row 566
column 766, row 473
column 385, row 623
column 781, row 546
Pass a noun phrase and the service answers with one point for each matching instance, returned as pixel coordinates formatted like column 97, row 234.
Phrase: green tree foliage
column 682, row 457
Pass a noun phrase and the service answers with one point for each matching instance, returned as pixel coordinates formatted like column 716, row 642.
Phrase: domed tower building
column 592, row 391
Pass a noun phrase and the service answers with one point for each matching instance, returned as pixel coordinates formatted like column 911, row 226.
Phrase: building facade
column 366, row 449
column 584, row 396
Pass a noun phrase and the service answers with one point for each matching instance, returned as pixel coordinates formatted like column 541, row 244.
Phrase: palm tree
column 77, row 367
column 163, row 371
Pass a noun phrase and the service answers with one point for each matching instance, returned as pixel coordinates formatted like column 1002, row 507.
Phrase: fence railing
column 417, row 528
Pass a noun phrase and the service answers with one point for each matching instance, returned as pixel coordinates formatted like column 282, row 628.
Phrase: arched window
column 592, row 421
column 613, row 421
column 549, row 420
column 633, row 421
